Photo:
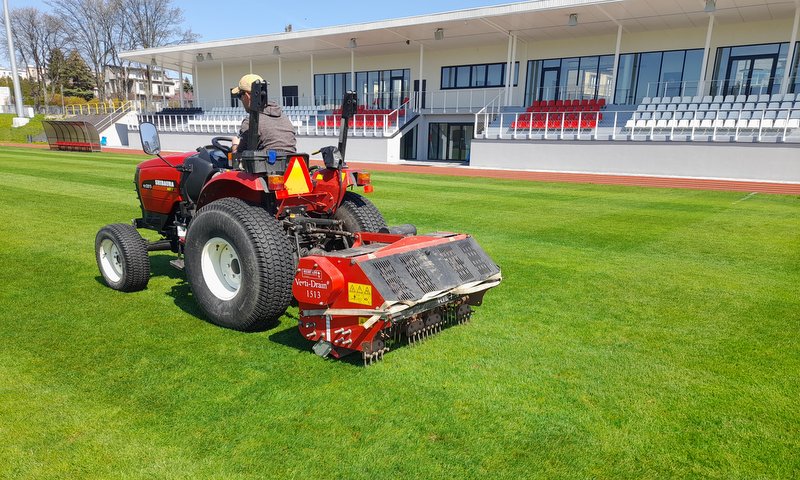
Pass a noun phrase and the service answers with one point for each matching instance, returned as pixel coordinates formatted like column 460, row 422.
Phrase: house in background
column 164, row 87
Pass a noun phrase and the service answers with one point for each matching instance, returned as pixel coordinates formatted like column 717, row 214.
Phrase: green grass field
column 639, row 333
column 19, row 135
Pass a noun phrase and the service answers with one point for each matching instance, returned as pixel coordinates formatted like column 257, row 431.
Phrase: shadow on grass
column 291, row 337
column 181, row 292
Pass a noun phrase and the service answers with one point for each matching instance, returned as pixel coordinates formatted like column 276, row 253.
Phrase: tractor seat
column 202, row 165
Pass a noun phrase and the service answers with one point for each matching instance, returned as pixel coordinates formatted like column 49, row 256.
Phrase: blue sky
column 214, row 20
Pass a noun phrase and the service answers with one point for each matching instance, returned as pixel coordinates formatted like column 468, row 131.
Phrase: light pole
column 19, row 120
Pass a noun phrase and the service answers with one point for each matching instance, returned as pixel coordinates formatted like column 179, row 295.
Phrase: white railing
column 112, row 115
column 363, row 124
column 767, row 125
column 486, row 115
column 94, row 108
column 457, row 100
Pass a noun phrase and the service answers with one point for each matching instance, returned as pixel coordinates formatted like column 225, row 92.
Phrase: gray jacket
column 275, row 131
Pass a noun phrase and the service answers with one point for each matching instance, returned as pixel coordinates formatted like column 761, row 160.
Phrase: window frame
column 450, row 73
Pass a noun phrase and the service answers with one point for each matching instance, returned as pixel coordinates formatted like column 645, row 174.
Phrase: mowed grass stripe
column 636, row 334
column 48, row 184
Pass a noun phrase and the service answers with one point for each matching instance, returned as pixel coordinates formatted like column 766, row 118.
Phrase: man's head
column 243, row 90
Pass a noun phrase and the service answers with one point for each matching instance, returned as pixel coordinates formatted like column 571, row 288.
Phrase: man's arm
column 242, row 132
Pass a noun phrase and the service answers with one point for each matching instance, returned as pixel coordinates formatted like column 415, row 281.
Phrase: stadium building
column 684, row 88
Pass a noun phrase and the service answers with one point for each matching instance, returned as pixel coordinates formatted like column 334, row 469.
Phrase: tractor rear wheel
column 359, row 214
column 121, row 255
column 239, row 264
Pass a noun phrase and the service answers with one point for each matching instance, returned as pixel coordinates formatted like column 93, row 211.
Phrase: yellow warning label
column 360, row 294
column 296, row 181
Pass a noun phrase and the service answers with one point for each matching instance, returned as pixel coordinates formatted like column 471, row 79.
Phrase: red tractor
column 253, row 231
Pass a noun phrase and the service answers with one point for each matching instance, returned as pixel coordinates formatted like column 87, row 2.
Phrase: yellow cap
column 246, row 82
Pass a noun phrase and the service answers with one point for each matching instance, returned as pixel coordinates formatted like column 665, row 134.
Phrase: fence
column 362, row 124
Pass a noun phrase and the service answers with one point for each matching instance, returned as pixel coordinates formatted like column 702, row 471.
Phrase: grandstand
column 593, row 86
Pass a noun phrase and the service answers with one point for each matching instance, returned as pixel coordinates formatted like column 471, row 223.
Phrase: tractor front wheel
column 121, row 255
column 239, row 264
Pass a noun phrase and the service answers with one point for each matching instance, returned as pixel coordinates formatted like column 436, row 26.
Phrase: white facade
column 727, row 47
column 163, row 85
column 29, row 72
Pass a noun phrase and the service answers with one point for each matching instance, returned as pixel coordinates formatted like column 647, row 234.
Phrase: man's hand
column 235, row 144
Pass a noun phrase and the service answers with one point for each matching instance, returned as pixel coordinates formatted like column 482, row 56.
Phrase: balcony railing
column 362, row 124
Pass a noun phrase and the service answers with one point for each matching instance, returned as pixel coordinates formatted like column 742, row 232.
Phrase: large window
column 450, row 141
column 569, row 78
column 379, row 89
column 750, row 69
column 794, row 80
column 658, row 74
column 484, row 75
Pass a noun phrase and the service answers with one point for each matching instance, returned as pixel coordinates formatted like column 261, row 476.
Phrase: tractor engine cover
column 388, row 288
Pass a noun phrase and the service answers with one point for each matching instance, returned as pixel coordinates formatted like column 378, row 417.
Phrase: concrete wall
column 761, row 162
column 740, row 161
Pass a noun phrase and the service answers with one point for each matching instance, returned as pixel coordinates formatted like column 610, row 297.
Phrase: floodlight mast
column 20, row 120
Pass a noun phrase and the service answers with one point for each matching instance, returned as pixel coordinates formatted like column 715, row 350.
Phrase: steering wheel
column 224, row 148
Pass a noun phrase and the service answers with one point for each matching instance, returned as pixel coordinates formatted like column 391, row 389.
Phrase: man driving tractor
column 275, row 130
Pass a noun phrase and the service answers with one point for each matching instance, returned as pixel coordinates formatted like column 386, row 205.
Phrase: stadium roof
column 530, row 21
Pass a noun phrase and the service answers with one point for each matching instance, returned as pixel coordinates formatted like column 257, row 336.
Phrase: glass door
column 752, row 75
column 450, row 141
column 396, row 98
column 548, row 86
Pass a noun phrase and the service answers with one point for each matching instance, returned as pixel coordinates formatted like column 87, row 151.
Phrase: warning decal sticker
column 360, row 294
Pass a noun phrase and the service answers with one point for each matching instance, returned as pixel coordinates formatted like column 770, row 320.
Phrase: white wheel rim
column 110, row 260
column 221, row 268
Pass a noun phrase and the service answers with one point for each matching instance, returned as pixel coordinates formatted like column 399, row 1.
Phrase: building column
column 511, row 72
column 280, row 81
column 195, row 84
column 313, row 93
column 701, row 87
column 352, row 69
column 419, row 77
column 615, row 72
column 180, row 85
column 508, row 68
column 222, row 71
column 790, row 57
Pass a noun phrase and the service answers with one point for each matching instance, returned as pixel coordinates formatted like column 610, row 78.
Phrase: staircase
column 105, row 120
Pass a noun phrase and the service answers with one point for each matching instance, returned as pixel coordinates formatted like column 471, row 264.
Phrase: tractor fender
column 233, row 183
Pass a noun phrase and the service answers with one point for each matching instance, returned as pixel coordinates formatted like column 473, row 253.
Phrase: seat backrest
column 201, row 167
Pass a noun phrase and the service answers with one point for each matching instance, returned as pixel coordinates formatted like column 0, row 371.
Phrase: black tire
column 255, row 288
column 121, row 255
column 359, row 214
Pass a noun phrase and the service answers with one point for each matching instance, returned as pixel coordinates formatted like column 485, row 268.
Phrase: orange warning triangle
column 296, row 179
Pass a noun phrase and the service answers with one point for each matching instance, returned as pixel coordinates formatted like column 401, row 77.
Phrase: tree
column 35, row 35
column 56, row 65
column 154, row 23
column 187, row 87
column 89, row 22
column 78, row 78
